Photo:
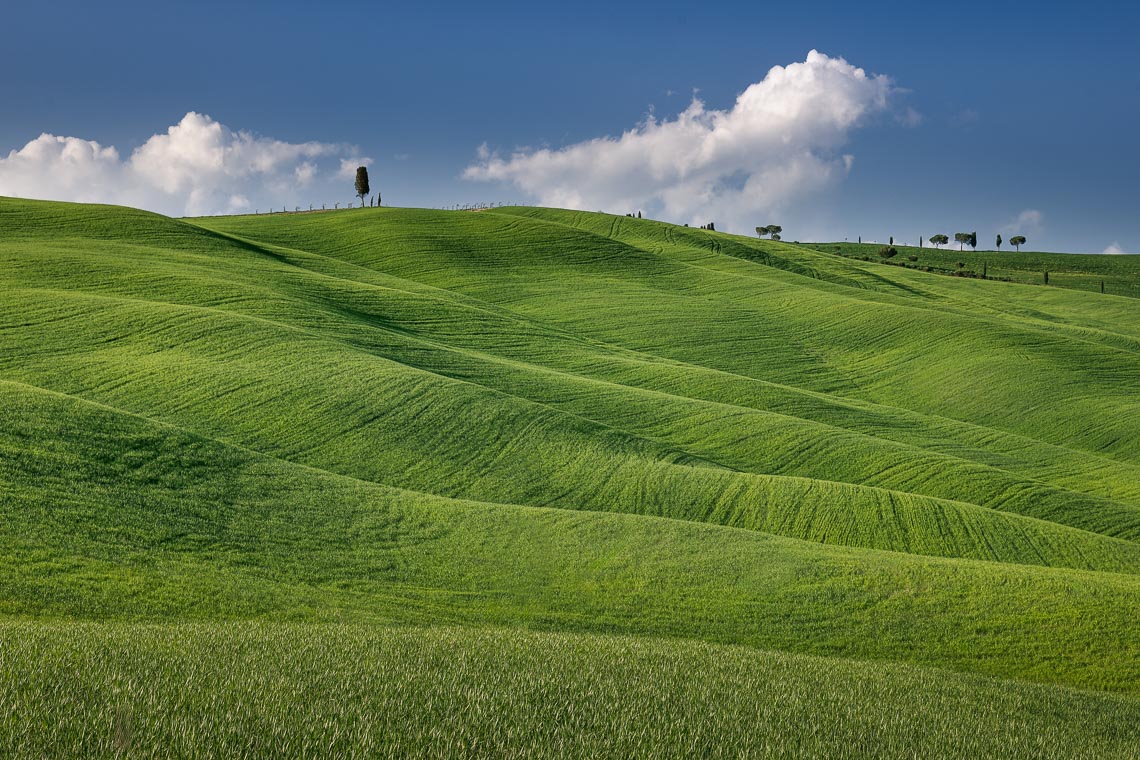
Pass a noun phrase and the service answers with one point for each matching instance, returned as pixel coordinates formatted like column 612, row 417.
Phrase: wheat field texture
column 531, row 482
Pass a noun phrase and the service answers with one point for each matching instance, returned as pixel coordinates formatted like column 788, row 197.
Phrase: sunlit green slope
column 568, row 421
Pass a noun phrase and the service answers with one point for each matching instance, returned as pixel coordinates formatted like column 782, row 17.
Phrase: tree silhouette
column 1017, row 241
column 362, row 189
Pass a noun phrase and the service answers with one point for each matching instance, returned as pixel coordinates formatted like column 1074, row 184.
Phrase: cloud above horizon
column 1028, row 222
column 781, row 141
column 198, row 166
column 1114, row 249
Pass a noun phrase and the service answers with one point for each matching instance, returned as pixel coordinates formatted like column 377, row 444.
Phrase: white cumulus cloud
column 198, row 166
column 1114, row 250
column 779, row 142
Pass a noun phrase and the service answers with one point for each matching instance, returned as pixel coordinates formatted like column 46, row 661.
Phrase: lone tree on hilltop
column 999, row 241
column 973, row 240
column 939, row 240
column 1017, row 241
column 362, row 189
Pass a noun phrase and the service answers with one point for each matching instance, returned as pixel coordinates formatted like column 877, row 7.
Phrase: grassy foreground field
column 689, row 492
column 351, row 691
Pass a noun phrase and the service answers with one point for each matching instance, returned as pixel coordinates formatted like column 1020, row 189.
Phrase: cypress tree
column 362, row 183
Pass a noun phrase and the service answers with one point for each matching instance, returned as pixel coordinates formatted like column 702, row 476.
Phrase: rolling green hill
column 1119, row 273
column 706, row 447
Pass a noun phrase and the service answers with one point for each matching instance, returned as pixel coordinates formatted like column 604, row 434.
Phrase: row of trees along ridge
column 971, row 239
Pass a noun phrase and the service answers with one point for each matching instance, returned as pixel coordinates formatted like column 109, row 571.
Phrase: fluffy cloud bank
column 197, row 167
column 779, row 142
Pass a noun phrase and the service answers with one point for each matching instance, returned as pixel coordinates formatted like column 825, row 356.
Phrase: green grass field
column 1120, row 274
column 530, row 481
column 355, row 691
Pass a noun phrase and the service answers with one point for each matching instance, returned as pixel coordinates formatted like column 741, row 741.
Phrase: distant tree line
column 970, row 239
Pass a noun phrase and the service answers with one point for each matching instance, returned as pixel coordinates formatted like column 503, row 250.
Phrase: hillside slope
column 567, row 421
column 1118, row 273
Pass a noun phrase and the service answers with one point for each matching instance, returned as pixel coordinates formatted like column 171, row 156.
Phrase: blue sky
column 995, row 111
